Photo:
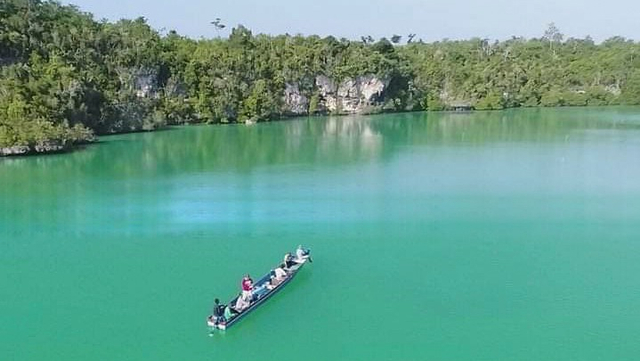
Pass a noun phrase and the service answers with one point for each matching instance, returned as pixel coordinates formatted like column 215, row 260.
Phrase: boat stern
column 216, row 323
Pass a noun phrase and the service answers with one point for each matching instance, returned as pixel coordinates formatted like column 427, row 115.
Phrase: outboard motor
column 216, row 322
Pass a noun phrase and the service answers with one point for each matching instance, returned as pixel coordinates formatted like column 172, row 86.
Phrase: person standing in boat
column 218, row 311
column 247, row 287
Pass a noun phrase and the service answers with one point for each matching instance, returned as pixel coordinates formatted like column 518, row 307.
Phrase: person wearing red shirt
column 247, row 287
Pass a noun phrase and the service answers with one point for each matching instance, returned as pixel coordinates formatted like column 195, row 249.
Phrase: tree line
column 65, row 77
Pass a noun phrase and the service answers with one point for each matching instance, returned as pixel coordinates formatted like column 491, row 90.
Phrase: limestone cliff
column 142, row 81
column 350, row 96
column 295, row 102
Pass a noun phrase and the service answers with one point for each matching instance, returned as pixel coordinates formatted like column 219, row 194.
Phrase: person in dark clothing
column 289, row 261
column 218, row 311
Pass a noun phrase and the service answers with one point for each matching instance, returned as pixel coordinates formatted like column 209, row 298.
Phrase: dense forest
column 66, row 77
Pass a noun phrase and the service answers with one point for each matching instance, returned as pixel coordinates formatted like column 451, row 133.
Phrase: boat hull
column 292, row 271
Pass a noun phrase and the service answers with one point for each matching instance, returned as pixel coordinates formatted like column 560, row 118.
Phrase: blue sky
column 430, row 20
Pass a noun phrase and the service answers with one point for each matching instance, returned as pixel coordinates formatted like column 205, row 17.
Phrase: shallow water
column 484, row 236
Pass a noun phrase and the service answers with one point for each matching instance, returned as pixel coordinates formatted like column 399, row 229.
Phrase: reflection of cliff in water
column 332, row 141
column 125, row 165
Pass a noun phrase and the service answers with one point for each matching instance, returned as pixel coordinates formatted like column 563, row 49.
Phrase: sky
column 430, row 20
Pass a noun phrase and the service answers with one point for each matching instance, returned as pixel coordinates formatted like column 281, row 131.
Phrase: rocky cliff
column 350, row 96
column 143, row 82
column 295, row 102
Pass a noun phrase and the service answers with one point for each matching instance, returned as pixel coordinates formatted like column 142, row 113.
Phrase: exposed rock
column 15, row 150
column 327, row 89
column 352, row 95
column 143, row 81
column 325, row 85
column 295, row 102
column 49, row 146
column 372, row 87
column 146, row 83
column 613, row 89
column 175, row 88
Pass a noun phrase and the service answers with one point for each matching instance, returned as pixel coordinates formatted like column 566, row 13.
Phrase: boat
column 267, row 286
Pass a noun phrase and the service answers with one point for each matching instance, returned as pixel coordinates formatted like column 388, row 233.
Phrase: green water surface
column 486, row 236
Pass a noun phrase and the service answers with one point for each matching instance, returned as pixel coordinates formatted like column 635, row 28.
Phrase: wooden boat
column 267, row 286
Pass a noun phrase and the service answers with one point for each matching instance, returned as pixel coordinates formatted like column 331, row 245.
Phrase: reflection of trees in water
column 477, row 128
column 121, row 167
column 329, row 141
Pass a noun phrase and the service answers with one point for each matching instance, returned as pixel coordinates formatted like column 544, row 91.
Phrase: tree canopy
column 65, row 76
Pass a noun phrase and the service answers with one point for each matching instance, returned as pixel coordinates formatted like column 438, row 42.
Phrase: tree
column 492, row 101
column 631, row 89
column 218, row 25
column 553, row 35
column 383, row 46
column 367, row 39
column 551, row 98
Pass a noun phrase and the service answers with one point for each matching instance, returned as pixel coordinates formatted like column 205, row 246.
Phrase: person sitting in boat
column 260, row 291
column 230, row 312
column 247, row 287
column 280, row 273
column 289, row 261
column 277, row 276
column 242, row 303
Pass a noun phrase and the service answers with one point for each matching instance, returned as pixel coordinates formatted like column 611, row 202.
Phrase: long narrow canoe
column 261, row 293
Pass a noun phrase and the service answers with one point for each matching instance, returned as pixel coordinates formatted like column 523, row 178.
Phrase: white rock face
column 352, row 95
column 295, row 102
column 143, row 81
column 372, row 87
column 325, row 85
column 15, row 150
column 145, row 84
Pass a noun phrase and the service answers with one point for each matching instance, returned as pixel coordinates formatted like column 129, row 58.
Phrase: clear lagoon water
column 509, row 235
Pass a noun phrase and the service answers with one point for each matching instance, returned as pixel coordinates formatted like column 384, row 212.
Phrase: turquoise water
column 484, row 236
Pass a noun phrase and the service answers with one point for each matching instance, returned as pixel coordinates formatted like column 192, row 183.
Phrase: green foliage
column 548, row 71
column 491, row 101
column 598, row 96
column 573, row 98
column 631, row 89
column 433, row 102
column 260, row 104
column 65, row 77
column 551, row 98
column 313, row 103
